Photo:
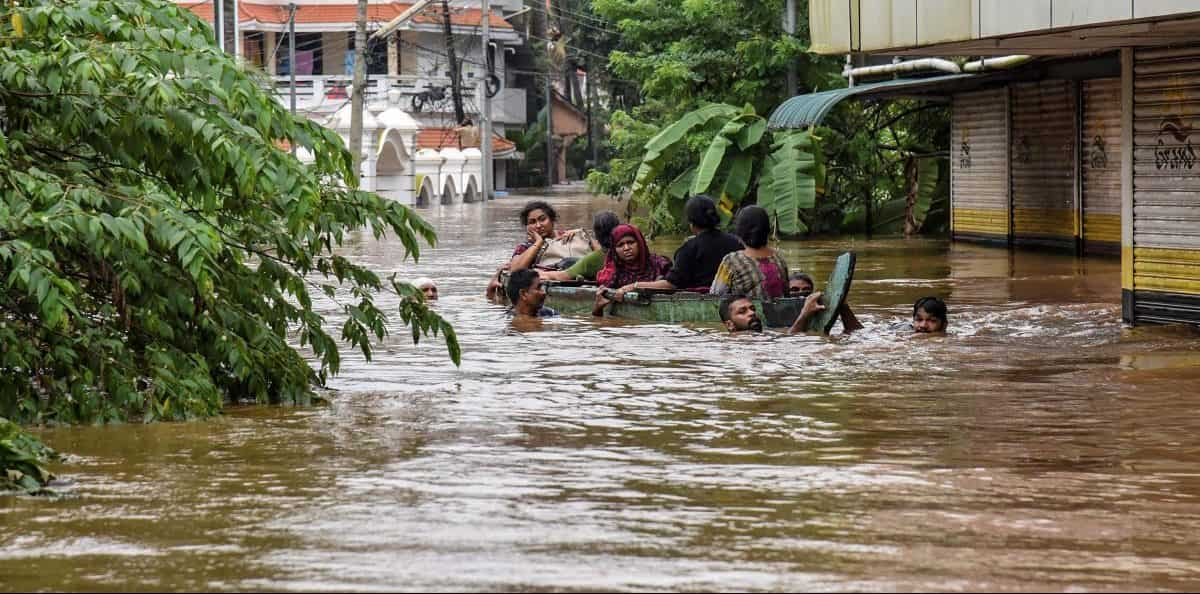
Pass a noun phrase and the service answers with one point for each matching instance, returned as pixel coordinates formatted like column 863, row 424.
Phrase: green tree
column 742, row 160
column 158, row 250
column 684, row 54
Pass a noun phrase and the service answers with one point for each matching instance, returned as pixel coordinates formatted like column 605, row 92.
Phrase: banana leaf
column 737, row 180
column 660, row 147
column 682, row 184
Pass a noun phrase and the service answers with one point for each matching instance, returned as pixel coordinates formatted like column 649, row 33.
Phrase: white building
column 408, row 73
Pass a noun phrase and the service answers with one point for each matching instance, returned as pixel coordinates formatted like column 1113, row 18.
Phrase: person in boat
column 697, row 260
column 527, row 296
column 628, row 262
column 588, row 266
column 757, row 271
column 426, row 285
column 929, row 316
column 800, row 284
column 544, row 246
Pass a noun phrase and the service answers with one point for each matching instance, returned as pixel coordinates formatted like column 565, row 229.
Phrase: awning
column 803, row 111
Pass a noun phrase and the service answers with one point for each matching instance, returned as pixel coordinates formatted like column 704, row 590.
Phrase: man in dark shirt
column 697, row 260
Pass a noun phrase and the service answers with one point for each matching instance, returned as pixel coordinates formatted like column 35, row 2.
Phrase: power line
column 577, row 22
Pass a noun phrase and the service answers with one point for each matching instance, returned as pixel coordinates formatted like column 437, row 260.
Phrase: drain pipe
column 901, row 67
column 995, row 63
column 939, row 64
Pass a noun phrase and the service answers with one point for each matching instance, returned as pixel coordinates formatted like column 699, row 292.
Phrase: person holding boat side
column 696, row 261
column 629, row 261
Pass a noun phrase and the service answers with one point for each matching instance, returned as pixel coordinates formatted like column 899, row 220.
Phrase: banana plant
column 742, row 159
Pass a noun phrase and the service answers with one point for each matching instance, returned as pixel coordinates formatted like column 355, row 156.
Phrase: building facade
column 1072, row 125
column 408, row 73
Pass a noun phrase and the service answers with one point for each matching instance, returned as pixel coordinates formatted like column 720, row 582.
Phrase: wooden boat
column 576, row 298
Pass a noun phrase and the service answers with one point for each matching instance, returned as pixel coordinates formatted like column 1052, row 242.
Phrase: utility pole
column 789, row 27
column 591, row 112
column 551, row 166
column 292, row 57
column 460, row 117
column 360, row 79
column 219, row 22
column 485, row 140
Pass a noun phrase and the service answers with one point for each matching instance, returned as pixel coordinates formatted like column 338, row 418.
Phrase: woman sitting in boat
column 590, row 265
column 696, row 261
column 544, row 246
column 756, row 271
column 629, row 261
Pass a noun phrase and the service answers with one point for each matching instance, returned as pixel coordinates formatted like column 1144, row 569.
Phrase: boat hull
column 671, row 307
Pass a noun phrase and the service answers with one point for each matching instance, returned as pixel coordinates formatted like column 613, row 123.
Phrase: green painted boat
column 663, row 306
column 575, row 298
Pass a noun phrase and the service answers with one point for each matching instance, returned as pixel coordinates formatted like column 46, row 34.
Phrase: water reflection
column 1039, row 445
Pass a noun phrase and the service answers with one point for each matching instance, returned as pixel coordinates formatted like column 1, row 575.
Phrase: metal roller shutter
column 1043, row 163
column 1100, row 165
column 979, row 165
column 1166, row 185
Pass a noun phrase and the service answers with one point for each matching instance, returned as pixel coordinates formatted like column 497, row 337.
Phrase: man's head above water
column 929, row 315
column 738, row 314
column 525, row 291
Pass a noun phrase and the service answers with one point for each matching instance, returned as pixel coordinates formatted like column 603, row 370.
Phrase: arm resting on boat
column 662, row 284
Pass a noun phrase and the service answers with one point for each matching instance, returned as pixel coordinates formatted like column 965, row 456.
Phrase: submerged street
column 1040, row 445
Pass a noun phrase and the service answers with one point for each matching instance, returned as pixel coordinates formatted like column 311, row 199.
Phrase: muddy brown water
column 1040, row 445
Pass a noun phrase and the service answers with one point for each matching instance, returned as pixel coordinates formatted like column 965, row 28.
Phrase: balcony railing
column 328, row 93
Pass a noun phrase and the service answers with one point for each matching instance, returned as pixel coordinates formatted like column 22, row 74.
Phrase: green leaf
column 751, row 134
column 737, row 180
column 663, row 143
column 682, row 184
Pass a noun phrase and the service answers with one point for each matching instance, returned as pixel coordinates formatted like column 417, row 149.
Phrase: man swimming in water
column 526, row 294
column 738, row 315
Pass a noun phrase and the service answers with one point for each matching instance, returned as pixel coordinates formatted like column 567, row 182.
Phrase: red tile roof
column 346, row 13
column 439, row 138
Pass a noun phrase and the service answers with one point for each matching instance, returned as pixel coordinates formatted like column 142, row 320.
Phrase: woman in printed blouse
column 756, row 271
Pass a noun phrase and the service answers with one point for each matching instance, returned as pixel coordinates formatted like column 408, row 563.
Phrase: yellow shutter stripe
column 1168, row 270
column 989, row 221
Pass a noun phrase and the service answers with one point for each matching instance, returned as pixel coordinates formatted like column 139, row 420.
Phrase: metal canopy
column 803, row 111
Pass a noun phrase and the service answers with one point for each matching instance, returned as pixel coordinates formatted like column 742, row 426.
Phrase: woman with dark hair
column 756, row 271
column 544, row 246
column 696, row 261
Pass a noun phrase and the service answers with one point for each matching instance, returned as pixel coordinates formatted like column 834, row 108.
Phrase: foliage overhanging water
column 1040, row 445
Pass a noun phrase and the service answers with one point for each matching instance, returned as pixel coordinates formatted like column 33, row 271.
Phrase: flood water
column 1040, row 445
